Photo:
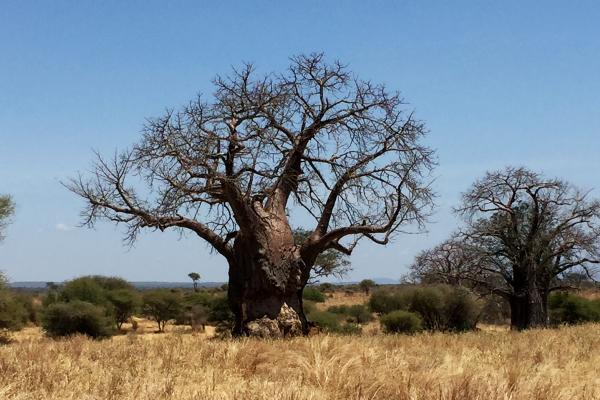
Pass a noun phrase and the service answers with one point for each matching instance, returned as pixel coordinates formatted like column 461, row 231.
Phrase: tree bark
column 529, row 305
column 266, row 279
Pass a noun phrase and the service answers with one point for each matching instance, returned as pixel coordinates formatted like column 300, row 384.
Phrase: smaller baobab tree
column 452, row 262
column 525, row 232
column 195, row 277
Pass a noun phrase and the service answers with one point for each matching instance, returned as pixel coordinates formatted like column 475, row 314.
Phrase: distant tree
column 162, row 306
column 195, row 277
column 366, row 285
column 231, row 168
column 330, row 262
column 527, row 233
column 124, row 304
column 7, row 209
column 12, row 312
column 452, row 262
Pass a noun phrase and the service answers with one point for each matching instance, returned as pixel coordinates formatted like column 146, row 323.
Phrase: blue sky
column 498, row 83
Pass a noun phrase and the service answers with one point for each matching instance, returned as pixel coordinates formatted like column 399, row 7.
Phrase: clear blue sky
column 498, row 82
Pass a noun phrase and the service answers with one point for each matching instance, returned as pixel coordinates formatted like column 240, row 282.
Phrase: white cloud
column 63, row 227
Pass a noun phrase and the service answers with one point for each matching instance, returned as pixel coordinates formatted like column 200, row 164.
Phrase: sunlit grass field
column 540, row 364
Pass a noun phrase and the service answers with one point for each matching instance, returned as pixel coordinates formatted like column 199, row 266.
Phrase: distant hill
column 33, row 285
column 37, row 285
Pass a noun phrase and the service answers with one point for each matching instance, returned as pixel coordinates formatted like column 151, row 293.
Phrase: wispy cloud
column 63, row 227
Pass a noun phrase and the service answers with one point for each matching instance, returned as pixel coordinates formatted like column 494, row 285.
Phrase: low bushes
column 401, row 322
column 331, row 322
column 357, row 313
column 313, row 294
column 440, row 307
column 64, row 319
column 567, row 308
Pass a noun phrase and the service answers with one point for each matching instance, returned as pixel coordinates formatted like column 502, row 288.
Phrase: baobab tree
column 526, row 232
column 313, row 138
column 452, row 262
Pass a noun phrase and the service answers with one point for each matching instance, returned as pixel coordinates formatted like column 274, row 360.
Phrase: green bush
column 401, row 322
column 325, row 320
column 384, row 301
column 162, row 306
column 357, row 313
column 64, row 319
column 440, row 307
column 13, row 314
column 123, row 304
column 313, row 294
column 567, row 308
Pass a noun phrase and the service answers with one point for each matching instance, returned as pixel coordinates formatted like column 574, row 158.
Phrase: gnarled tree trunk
column 529, row 304
column 266, row 279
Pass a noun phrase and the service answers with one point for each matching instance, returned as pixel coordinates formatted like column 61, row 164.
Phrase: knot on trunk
column 286, row 324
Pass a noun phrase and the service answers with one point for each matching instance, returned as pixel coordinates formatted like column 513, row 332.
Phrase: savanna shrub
column 13, row 314
column 162, row 306
column 357, row 313
column 123, row 304
column 327, row 321
column 440, row 307
column 400, row 321
column 567, row 308
column 64, row 319
column 313, row 294
column 384, row 301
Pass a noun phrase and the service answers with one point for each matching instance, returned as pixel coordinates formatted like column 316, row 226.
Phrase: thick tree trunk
column 529, row 307
column 266, row 279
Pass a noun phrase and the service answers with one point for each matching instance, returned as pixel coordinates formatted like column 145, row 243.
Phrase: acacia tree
column 316, row 137
column 7, row 208
column 528, row 232
column 195, row 277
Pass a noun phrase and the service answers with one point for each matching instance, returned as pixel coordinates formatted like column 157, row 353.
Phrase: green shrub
column 162, row 306
column 31, row 306
column 308, row 306
column 124, row 303
column 357, row 313
column 384, row 301
column 567, row 308
column 13, row 314
column 64, row 319
column 325, row 320
column 313, row 294
column 440, row 307
column 401, row 322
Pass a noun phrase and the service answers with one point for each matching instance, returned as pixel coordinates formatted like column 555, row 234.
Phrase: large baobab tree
column 231, row 169
column 525, row 232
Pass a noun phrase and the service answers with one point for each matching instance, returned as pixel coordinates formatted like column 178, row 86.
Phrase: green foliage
column 332, row 323
column 117, row 297
column 567, row 308
column 64, row 319
column 220, row 313
column 328, row 263
column 357, row 313
column 13, row 314
column 124, row 303
column 384, row 301
column 400, row 321
column 313, row 294
column 162, row 306
column 327, row 321
column 32, row 308
column 7, row 209
column 366, row 285
column 441, row 307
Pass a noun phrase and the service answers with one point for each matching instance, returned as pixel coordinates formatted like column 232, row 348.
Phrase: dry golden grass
column 487, row 365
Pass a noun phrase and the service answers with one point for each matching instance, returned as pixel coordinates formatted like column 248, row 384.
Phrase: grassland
column 486, row 365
